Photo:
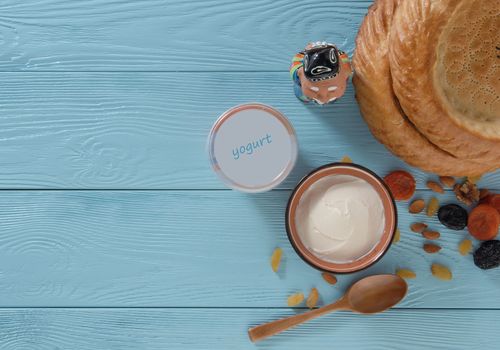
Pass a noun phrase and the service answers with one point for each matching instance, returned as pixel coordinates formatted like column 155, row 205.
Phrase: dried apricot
column 484, row 222
column 406, row 274
column 448, row 181
column 431, row 235
column 431, row 248
column 441, row 272
column 276, row 259
column 330, row 279
column 416, row 206
column 435, row 186
column 432, row 207
column 295, row 299
column 401, row 183
column 346, row 159
column 312, row 299
column 418, row 227
column 483, row 193
column 465, row 247
column 492, row 199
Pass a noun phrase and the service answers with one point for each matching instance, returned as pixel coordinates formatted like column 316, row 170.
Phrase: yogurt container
column 252, row 147
column 341, row 218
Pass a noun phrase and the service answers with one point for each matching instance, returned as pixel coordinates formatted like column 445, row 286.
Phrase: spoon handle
column 272, row 328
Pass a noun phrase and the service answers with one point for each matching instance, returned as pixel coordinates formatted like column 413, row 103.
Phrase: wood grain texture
column 153, row 35
column 194, row 248
column 148, row 130
column 209, row 329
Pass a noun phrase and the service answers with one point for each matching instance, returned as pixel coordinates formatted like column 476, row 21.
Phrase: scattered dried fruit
column 492, row 199
column 418, row 227
column 483, row 193
column 435, row 186
column 312, row 299
column 295, row 299
column 453, row 216
column 397, row 236
column 405, row 273
column 487, row 256
column 346, row 159
column 276, row 259
column 330, row 279
column 432, row 207
column 431, row 235
column 431, row 248
column 441, row 272
column 465, row 247
column 401, row 183
column 448, row 181
column 484, row 222
column 474, row 179
column 467, row 193
column 416, row 206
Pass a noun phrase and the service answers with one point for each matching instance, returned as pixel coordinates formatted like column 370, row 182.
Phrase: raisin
column 487, row 256
column 453, row 216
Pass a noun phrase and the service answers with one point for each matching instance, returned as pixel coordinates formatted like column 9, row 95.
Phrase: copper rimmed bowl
column 389, row 208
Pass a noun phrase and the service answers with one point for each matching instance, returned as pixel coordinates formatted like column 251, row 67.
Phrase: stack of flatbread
column 427, row 79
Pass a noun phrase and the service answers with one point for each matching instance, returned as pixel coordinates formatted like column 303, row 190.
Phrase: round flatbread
column 444, row 66
column 380, row 108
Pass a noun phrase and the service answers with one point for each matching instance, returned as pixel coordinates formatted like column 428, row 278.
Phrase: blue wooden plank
column 103, row 35
column 193, row 248
column 148, row 130
column 209, row 329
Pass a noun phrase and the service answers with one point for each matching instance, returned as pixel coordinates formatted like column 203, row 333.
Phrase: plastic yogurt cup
column 252, row 147
column 341, row 218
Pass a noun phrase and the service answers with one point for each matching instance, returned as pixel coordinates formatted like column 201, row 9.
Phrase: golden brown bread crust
column 379, row 107
column 413, row 42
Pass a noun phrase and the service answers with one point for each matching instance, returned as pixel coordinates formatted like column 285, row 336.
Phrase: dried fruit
column 483, row 193
column 467, row 193
column 312, row 299
column 432, row 207
column 406, row 274
column 295, row 299
column 401, row 184
column 431, row 235
column 330, row 279
column 397, row 236
column 487, row 256
column 276, row 259
column 441, row 272
column 474, row 179
column 484, row 222
column 416, row 206
column 435, row 186
column 431, row 248
column 418, row 227
column 448, row 181
column 492, row 199
column 453, row 216
column 346, row 159
column 465, row 247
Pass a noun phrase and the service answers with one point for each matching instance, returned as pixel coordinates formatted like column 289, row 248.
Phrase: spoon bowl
column 369, row 295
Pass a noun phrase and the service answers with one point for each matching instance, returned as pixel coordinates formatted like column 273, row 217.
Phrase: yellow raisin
column 276, row 259
column 435, row 186
column 346, row 159
column 312, row 299
column 474, row 179
column 432, row 207
column 405, row 273
column 431, row 248
column 441, row 272
column 329, row 278
column 416, row 206
column 295, row 299
column 397, row 236
column 418, row 227
column 465, row 247
column 431, row 235
column 448, row 181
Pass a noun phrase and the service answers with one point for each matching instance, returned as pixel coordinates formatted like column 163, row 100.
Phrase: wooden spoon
column 369, row 295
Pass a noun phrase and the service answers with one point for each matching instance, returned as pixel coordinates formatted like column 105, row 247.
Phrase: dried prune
column 453, row 216
column 487, row 256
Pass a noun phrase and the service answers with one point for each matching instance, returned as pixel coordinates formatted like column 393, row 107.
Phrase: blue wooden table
column 115, row 233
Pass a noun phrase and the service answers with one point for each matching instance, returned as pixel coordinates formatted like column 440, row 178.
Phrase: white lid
column 252, row 147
